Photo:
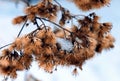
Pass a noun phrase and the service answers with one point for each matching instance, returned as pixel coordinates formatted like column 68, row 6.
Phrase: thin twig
column 33, row 32
column 6, row 45
column 58, row 3
column 54, row 24
column 17, row 35
column 41, row 22
column 22, row 28
column 37, row 24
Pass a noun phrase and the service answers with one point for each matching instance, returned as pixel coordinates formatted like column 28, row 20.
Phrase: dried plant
column 88, row 36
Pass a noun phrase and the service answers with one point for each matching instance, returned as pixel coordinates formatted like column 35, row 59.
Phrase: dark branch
column 6, row 45
column 54, row 24
column 22, row 28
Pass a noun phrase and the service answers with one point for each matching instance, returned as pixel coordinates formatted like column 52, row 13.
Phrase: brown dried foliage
column 88, row 37
column 86, row 5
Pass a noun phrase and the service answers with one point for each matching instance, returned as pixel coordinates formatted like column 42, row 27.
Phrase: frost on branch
column 87, row 36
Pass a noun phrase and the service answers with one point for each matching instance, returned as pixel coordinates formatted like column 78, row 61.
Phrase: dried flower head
column 86, row 5
column 19, row 19
column 85, row 37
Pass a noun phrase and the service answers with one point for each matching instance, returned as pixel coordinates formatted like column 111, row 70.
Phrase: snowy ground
column 104, row 67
